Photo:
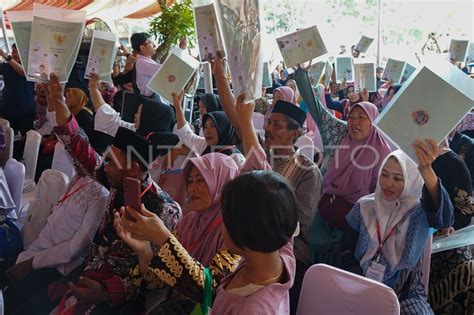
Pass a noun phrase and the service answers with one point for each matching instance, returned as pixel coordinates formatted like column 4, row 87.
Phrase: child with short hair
column 260, row 215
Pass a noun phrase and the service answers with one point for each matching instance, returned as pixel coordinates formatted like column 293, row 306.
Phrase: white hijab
column 374, row 207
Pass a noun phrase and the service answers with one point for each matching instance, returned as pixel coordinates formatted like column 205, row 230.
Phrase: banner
column 55, row 40
column 102, row 55
column 239, row 21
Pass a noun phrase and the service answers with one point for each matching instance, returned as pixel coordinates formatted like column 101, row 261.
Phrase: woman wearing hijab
column 451, row 290
column 388, row 229
column 283, row 77
column 218, row 134
column 284, row 93
column 199, row 231
column 353, row 152
column 389, row 95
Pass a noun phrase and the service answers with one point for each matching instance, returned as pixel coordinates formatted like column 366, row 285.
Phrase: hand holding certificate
column 364, row 74
column 101, row 55
column 344, row 69
column 20, row 23
column 301, row 46
column 458, row 50
column 55, row 39
column 173, row 74
column 207, row 30
column 415, row 114
column 394, row 71
column 239, row 21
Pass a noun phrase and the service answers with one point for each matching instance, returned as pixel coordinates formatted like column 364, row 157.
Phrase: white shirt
column 146, row 69
column 198, row 144
column 70, row 228
column 108, row 121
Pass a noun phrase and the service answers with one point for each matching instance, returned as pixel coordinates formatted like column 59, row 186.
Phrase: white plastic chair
column 7, row 153
column 328, row 290
column 30, row 159
column 4, row 122
column 51, row 186
column 15, row 175
column 258, row 120
column 62, row 160
column 306, row 146
column 426, row 262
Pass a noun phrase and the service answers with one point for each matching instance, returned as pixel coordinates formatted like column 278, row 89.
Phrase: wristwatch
column 8, row 58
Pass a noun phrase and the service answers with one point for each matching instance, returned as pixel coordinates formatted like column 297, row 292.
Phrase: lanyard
column 146, row 189
column 68, row 194
column 379, row 236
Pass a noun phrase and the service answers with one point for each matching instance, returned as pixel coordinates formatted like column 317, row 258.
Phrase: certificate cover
column 458, row 50
column 267, row 75
column 301, row 46
column 364, row 77
column 344, row 69
column 315, row 72
column 415, row 114
column 328, row 73
column 20, row 23
column 207, row 30
column 470, row 55
column 173, row 74
column 4, row 31
column 240, row 24
column 364, row 44
column 101, row 55
column 461, row 237
column 54, row 44
column 407, row 72
column 394, row 70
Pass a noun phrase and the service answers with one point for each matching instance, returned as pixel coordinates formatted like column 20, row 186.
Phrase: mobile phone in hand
column 132, row 198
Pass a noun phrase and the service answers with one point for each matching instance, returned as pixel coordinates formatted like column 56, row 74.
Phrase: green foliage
column 173, row 23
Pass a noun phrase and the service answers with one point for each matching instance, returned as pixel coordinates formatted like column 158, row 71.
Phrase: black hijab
column 211, row 102
column 225, row 131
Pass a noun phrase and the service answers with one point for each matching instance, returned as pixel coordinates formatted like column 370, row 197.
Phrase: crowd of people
column 225, row 214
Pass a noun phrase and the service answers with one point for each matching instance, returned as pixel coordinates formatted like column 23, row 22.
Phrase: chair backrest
column 30, row 155
column 306, row 146
column 258, row 120
column 426, row 261
column 4, row 122
column 15, row 175
column 62, row 160
column 328, row 290
column 7, row 153
column 51, row 186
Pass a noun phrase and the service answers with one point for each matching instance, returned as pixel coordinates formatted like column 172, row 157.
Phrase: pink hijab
column 200, row 232
column 288, row 95
column 345, row 178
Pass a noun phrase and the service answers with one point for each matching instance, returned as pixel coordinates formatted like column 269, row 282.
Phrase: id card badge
column 375, row 271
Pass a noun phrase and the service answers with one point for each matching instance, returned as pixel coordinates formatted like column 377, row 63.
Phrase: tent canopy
column 103, row 9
